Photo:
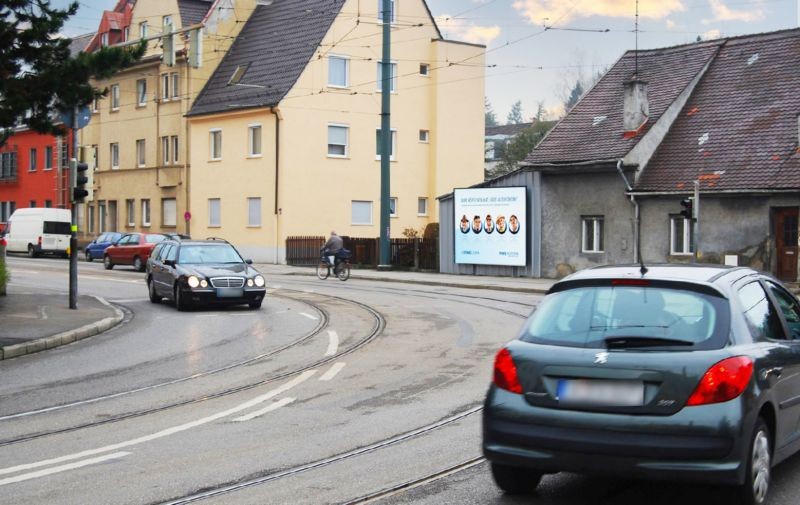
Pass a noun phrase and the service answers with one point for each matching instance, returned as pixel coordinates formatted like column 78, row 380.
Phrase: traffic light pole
column 386, row 137
column 73, row 239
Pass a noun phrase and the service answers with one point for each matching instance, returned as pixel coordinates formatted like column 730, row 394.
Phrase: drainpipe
column 277, row 174
column 635, row 212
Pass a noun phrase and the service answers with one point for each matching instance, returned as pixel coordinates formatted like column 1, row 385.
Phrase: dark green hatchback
column 667, row 372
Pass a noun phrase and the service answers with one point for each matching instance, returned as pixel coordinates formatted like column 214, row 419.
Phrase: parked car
column 667, row 372
column 94, row 250
column 197, row 272
column 132, row 249
column 39, row 231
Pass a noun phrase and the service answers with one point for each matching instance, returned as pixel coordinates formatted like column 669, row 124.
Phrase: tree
column 519, row 147
column 574, row 96
column 490, row 119
column 37, row 74
column 515, row 116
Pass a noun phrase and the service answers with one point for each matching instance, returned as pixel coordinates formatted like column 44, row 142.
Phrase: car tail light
column 505, row 372
column 722, row 382
column 630, row 282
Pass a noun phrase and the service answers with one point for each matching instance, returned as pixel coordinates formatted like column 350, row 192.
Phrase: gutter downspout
column 277, row 175
column 635, row 212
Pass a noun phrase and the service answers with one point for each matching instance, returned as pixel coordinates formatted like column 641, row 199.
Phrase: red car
column 131, row 249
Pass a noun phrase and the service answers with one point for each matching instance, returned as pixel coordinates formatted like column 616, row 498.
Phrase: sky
column 537, row 49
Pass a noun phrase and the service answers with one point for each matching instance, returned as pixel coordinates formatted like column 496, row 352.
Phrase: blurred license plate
column 601, row 392
column 230, row 292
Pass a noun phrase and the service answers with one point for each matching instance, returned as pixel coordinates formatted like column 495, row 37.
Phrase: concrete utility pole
column 386, row 137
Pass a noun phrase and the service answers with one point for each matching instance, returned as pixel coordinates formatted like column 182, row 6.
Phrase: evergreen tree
column 37, row 74
column 490, row 119
column 574, row 96
column 515, row 116
column 519, row 147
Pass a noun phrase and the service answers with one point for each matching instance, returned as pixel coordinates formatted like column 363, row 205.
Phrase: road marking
column 62, row 468
column 42, row 312
column 81, row 276
column 128, row 300
column 166, row 432
column 331, row 373
column 333, row 343
column 308, row 316
column 270, row 408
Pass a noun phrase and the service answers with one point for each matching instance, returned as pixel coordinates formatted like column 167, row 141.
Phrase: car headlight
column 259, row 281
column 193, row 281
column 250, row 283
column 203, row 283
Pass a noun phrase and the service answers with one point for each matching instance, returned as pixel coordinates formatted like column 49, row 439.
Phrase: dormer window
column 104, row 39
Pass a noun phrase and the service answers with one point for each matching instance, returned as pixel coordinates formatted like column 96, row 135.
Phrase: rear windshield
column 154, row 239
column 57, row 228
column 598, row 315
column 199, row 254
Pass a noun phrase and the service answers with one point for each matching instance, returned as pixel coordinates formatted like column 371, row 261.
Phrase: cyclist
column 331, row 249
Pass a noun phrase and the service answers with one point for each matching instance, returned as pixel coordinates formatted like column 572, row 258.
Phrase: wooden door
column 786, row 243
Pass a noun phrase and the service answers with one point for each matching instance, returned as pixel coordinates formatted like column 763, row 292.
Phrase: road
column 330, row 393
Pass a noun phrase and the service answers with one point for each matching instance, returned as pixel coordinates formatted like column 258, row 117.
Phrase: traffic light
column 82, row 177
column 687, row 204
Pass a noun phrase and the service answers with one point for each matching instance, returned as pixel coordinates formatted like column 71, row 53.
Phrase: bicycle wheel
column 344, row 272
column 322, row 270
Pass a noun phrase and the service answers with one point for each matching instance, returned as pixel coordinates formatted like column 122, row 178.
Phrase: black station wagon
column 669, row 372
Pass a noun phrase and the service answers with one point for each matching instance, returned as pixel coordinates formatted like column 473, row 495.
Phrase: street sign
column 84, row 116
column 187, row 216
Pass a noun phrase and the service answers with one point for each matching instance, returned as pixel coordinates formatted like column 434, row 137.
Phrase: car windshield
column 154, row 238
column 201, row 254
column 629, row 316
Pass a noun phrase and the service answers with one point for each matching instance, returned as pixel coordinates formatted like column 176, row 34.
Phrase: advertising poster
column 491, row 227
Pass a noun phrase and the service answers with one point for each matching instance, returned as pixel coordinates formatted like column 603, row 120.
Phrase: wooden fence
column 406, row 253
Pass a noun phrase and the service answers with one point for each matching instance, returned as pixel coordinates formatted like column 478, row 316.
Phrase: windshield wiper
column 627, row 342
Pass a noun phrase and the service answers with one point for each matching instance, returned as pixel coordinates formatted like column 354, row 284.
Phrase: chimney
column 636, row 108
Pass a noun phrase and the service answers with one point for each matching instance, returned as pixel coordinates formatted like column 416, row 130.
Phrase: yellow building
column 284, row 135
column 138, row 131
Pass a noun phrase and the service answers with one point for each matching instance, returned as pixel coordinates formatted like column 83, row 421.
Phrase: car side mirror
column 169, row 263
column 249, row 262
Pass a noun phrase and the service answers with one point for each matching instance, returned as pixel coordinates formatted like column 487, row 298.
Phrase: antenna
column 636, row 36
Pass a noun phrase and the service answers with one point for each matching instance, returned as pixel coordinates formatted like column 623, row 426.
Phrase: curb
column 66, row 337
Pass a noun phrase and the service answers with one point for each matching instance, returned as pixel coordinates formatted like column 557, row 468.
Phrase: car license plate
column 230, row 292
column 607, row 393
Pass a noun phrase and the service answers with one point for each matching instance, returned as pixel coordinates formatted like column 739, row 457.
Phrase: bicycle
column 341, row 271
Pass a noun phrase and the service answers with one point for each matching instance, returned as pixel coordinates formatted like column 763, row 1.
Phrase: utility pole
column 73, row 239
column 696, row 221
column 386, row 137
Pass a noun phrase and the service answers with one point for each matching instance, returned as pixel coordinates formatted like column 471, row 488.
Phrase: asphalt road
column 330, row 393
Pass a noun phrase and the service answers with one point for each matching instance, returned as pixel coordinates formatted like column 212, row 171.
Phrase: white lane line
column 270, row 408
column 42, row 313
column 82, row 276
column 332, row 371
column 62, row 468
column 166, row 432
column 308, row 316
column 333, row 343
column 129, row 300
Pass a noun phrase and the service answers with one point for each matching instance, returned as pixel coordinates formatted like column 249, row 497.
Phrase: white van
column 38, row 231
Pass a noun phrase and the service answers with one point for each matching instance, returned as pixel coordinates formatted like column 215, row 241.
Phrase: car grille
column 227, row 282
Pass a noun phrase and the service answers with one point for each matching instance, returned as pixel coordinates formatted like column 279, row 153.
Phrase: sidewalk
column 32, row 322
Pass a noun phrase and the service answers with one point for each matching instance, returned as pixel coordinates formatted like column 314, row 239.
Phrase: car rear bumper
column 211, row 296
column 703, row 443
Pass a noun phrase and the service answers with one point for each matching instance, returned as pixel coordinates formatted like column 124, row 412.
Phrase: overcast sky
column 528, row 63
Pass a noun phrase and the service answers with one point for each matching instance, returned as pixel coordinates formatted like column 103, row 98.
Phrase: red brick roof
column 739, row 129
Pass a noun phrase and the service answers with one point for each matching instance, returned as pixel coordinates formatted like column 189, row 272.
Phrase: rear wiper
column 627, row 341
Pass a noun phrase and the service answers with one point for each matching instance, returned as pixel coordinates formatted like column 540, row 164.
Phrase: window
column 392, row 10
column 337, row 141
column 104, row 39
column 681, row 234
column 424, row 69
column 175, row 149
column 169, row 212
column 393, row 206
column 115, row 97
column 145, row 212
column 216, row 144
column 759, row 312
column 32, row 204
column 143, row 29
column 140, row 153
column 114, row 155
column 422, row 206
column 789, row 308
column 126, row 33
column 378, row 145
column 167, row 20
column 338, row 72
column 424, row 136
column 101, row 217
column 254, row 136
column 361, row 212
column 48, row 158
column 130, row 212
column 49, row 204
column 592, row 234
column 8, row 165
column 214, row 210
column 141, row 92
column 91, row 219
column 392, row 80
column 32, row 161
column 254, row 212
column 165, row 87
column 175, row 77
column 165, row 150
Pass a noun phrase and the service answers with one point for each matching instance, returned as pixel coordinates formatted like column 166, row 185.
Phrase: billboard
column 491, row 226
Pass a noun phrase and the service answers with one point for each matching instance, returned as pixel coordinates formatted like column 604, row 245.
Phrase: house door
column 786, row 243
column 112, row 215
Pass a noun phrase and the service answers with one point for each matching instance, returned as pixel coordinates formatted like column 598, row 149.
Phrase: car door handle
column 775, row 372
